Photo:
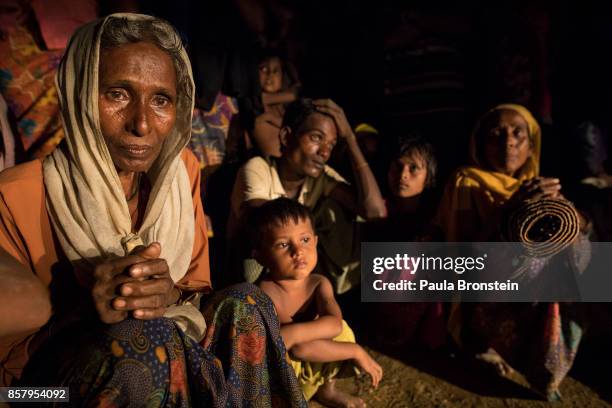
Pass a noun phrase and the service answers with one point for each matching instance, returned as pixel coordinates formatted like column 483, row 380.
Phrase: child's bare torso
column 296, row 302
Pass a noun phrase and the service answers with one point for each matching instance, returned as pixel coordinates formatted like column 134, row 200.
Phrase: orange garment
column 27, row 235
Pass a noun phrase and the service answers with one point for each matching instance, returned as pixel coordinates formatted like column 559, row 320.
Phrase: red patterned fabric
column 27, row 83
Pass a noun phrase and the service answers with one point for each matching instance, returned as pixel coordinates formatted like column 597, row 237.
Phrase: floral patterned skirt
column 240, row 363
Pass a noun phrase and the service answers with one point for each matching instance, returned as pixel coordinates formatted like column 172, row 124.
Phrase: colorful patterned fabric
column 154, row 364
column 244, row 334
column 27, row 76
column 209, row 130
column 540, row 340
column 132, row 363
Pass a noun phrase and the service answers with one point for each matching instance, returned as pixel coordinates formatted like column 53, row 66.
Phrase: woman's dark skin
column 507, row 148
column 305, row 154
column 21, row 291
column 137, row 98
column 137, row 104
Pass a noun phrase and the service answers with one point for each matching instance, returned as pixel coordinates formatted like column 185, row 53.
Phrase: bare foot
column 492, row 357
column 330, row 396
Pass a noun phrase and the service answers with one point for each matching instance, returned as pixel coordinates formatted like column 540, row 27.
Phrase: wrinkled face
column 137, row 103
column 309, row 150
column 289, row 251
column 271, row 75
column 407, row 175
column 506, row 142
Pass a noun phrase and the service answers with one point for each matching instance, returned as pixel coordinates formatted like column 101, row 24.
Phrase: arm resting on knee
column 325, row 351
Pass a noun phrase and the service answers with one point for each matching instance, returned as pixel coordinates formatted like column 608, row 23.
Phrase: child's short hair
column 417, row 145
column 277, row 212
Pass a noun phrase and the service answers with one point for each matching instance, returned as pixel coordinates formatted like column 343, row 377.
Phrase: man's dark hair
column 297, row 112
column 277, row 212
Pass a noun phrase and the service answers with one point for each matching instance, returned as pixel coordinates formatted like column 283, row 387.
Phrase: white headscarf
column 85, row 199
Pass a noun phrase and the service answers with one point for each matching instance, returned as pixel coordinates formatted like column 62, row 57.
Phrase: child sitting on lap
column 317, row 338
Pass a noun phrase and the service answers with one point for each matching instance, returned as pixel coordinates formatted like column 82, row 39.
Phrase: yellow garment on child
column 312, row 375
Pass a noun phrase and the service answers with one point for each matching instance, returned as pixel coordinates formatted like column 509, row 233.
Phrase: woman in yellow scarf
column 504, row 171
column 504, row 154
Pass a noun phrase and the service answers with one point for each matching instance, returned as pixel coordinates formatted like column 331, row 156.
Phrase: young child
column 410, row 198
column 317, row 338
column 274, row 81
column 411, row 203
column 255, row 130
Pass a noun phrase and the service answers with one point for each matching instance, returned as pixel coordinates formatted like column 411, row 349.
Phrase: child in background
column 410, row 180
column 274, row 81
column 316, row 337
column 411, row 206
column 255, row 130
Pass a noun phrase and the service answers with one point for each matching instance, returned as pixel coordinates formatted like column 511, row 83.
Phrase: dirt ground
column 429, row 380
column 421, row 378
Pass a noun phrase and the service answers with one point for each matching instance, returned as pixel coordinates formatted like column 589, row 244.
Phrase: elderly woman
column 112, row 223
column 309, row 133
column 505, row 154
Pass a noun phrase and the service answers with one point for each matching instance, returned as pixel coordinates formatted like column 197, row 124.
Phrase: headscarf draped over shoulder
column 85, row 200
column 474, row 192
